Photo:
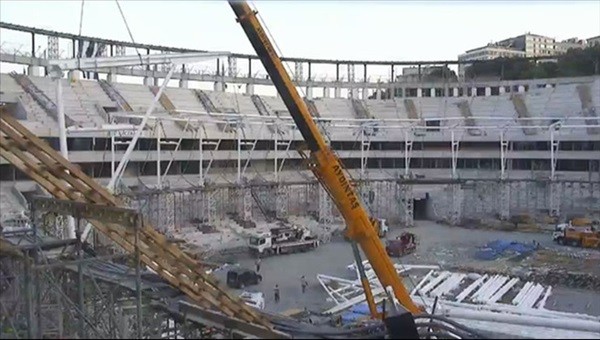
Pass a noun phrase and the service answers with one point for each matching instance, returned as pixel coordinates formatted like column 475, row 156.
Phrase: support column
column 183, row 83
column 211, row 205
column 457, row 201
column 148, row 81
column 326, row 92
column 218, row 86
column 309, row 92
column 34, row 71
column 111, row 76
column 325, row 215
column 74, row 75
column 555, row 197
column 282, row 201
column 504, row 204
column 249, row 89
column 245, row 204
column 555, row 187
column 407, row 201
column 338, row 92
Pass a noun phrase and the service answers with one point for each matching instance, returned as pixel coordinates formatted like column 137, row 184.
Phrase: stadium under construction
column 125, row 206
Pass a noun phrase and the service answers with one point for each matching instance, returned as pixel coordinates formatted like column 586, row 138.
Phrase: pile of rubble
column 547, row 275
column 565, row 278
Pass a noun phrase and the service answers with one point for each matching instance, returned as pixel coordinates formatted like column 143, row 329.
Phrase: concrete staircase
column 262, row 110
column 360, row 110
column 465, row 110
column 39, row 96
column 588, row 109
column 522, row 112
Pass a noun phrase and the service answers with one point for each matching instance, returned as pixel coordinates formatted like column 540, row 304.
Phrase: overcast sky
column 379, row 30
column 359, row 30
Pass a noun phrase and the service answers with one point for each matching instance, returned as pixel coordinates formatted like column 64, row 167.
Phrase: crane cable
column 81, row 17
column 129, row 31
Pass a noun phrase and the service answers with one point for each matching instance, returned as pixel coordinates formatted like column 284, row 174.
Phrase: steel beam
column 220, row 321
column 134, row 60
column 122, row 216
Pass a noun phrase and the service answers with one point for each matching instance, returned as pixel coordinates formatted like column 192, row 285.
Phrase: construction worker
column 276, row 293
column 303, row 284
column 257, row 263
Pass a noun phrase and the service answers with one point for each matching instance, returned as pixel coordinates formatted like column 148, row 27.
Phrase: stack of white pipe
column 448, row 285
column 441, row 277
column 532, row 297
column 463, row 295
column 542, row 303
column 517, row 299
column 500, row 293
column 485, row 294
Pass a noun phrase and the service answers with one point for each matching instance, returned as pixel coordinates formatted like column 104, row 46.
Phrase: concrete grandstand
column 534, row 143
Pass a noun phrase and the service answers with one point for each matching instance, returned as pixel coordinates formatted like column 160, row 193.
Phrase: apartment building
column 593, row 41
column 489, row 52
column 526, row 45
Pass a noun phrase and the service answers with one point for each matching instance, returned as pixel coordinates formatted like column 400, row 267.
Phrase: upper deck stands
column 85, row 99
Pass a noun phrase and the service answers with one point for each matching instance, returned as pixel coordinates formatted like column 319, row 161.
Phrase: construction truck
column 577, row 236
column 282, row 240
column 402, row 245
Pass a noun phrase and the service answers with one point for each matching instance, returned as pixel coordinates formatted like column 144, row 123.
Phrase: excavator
column 331, row 174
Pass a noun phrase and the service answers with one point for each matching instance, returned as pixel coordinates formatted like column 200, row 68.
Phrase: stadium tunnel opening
column 421, row 208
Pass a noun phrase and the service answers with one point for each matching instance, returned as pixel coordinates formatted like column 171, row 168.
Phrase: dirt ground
column 437, row 244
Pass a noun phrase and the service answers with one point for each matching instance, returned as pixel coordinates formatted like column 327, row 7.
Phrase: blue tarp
column 499, row 248
column 358, row 311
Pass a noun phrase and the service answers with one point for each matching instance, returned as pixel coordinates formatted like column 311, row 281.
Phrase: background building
column 526, row 45
column 489, row 52
column 593, row 41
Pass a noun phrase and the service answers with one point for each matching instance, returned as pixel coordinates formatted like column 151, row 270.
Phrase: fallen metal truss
column 65, row 181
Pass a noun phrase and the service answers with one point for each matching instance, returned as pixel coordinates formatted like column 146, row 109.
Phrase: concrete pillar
column 148, row 81
column 156, row 81
column 74, row 75
column 379, row 94
column 218, row 86
column 454, row 92
column 488, row 91
column 183, row 83
column 309, row 92
column 111, row 77
column 34, row 71
column 249, row 89
column 419, row 92
column 501, row 90
column 326, row 92
column 365, row 93
column 338, row 92
column 521, row 89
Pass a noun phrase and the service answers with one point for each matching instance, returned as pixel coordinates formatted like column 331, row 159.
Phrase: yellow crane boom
column 322, row 159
